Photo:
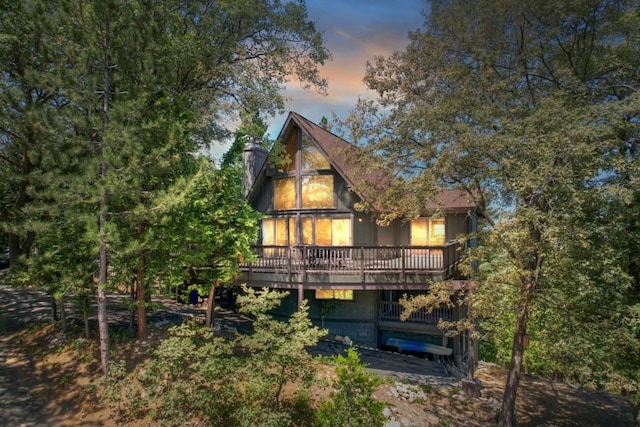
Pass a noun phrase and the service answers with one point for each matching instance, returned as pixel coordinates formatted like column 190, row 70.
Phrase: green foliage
column 531, row 108
column 195, row 375
column 103, row 105
column 350, row 403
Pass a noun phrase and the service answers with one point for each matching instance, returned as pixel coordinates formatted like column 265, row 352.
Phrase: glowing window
column 346, row 294
column 323, row 231
column 341, row 232
column 327, row 231
column 312, row 158
column 307, row 231
column 427, row 232
column 291, row 150
column 317, row 192
column 276, row 232
column 436, row 232
column 292, row 231
column 285, row 194
column 268, row 232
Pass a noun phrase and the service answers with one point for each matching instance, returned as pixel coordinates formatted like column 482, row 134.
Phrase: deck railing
column 355, row 259
column 392, row 311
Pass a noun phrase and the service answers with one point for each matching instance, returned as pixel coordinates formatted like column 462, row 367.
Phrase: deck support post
column 300, row 295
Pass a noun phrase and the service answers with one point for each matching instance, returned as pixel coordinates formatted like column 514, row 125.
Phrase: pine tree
column 532, row 109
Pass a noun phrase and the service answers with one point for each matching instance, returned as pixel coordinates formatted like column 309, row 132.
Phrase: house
column 351, row 270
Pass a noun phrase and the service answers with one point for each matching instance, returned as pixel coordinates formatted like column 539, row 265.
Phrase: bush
column 351, row 403
column 197, row 377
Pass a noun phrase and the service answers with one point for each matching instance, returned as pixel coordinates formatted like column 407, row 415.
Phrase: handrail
column 392, row 311
column 354, row 259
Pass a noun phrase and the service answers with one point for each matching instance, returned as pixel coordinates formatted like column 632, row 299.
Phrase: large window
column 427, row 232
column 307, row 182
column 278, row 231
column 285, row 194
column 317, row 192
column 326, row 231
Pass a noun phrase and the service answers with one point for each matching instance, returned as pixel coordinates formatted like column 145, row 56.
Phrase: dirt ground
column 46, row 380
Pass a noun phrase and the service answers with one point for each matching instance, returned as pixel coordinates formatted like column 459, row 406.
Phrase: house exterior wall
column 264, row 200
column 361, row 319
column 355, row 319
column 345, row 199
column 455, row 225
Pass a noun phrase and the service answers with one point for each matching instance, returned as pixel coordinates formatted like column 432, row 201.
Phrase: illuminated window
column 427, row 232
column 317, row 191
column 312, row 158
column 292, row 231
column 276, row 232
column 323, row 231
column 307, row 231
column 326, row 232
column 436, row 232
column 285, row 194
column 268, row 232
column 346, row 294
column 291, row 150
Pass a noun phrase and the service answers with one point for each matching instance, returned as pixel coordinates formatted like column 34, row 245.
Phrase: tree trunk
column 140, row 303
column 507, row 416
column 132, row 307
column 103, row 325
column 85, row 319
column 472, row 360
column 54, row 310
column 211, row 304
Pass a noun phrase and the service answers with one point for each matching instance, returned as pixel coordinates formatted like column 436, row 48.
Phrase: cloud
column 355, row 31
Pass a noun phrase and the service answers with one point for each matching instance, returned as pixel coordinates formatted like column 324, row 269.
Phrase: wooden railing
column 392, row 311
column 355, row 259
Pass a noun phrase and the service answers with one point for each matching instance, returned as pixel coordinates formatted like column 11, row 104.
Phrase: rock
column 387, row 412
column 348, row 341
column 472, row 388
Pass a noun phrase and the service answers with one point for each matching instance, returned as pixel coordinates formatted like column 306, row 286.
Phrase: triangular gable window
column 312, row 158
column 308, row 181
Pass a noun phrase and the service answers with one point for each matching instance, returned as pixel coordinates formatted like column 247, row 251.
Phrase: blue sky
column 355, row 31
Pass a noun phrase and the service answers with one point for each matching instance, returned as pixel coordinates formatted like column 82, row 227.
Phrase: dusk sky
column 355, row 31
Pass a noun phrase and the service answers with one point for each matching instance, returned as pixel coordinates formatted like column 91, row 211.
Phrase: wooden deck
column 356, row 267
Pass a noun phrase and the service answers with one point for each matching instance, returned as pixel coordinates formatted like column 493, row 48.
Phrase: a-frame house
column 315, row 244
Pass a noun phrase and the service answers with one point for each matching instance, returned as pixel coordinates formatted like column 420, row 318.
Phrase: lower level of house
column 373, row 318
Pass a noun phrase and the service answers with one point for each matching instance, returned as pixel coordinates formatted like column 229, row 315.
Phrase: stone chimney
column 253, row 159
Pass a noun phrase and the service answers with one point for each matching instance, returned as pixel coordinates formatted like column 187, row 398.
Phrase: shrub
column 351, row 403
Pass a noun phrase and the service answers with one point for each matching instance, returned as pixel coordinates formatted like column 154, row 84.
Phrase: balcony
column 356, row 267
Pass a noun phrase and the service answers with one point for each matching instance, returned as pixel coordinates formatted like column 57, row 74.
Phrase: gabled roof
column 338, row 151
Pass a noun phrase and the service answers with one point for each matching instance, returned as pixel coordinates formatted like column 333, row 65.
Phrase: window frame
column 430, row 224
column 333, row 293
column 298, row 175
